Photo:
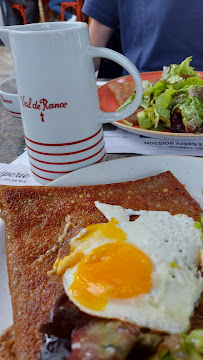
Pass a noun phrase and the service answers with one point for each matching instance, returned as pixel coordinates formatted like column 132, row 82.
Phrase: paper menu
column 120, row 141
column 18, row 174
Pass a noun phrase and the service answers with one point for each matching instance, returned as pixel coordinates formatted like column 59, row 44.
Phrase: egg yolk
column 95, row 232
column 104, row 230
column 115, row 270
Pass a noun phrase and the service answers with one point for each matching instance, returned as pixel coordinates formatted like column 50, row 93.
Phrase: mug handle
column 102, row 52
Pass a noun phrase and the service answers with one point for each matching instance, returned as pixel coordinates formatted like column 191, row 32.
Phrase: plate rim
column 121, row 159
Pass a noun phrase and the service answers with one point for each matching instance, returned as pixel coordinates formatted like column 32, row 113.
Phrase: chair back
column 8, row 15
column 77, row 5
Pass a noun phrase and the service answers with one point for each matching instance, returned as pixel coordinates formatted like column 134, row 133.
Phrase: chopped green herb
column 198, row 226
column 174, row 265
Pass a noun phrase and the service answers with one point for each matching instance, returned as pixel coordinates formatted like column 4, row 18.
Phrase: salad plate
column 108, row 103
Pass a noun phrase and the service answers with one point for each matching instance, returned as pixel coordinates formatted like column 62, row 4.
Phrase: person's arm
column 99, row 36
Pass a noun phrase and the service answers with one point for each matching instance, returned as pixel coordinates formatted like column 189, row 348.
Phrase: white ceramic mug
column 9, row 97
column 55, row 77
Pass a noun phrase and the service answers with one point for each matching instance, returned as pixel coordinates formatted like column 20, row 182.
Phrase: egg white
column 172, row 243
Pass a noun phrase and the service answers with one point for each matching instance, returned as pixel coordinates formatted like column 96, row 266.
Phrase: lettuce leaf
column 160, row 85
column 158, row 110
column 147, row 85
column 176, row 73
column 188, row 82
column 161, row 106
column 192, row 113
column 127, row 102
column 196, row 91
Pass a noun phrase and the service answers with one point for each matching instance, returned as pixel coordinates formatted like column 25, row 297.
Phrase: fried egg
column 144, row 272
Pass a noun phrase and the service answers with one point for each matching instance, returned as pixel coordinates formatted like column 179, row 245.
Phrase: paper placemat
column 120, row 141
column 117, row 141
column 18, row 174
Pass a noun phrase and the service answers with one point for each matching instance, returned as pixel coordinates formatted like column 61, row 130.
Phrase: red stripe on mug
column 63, row 154
column 101, row 158
column 41, row 176
column 67, row 163
column 67, row 172
column 17, row 117
column 13, row 112
column 65, row 144
column 61, row 172
column 51, row 172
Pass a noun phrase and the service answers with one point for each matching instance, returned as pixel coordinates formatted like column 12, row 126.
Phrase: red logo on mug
column 42, row 105
column 6, row 100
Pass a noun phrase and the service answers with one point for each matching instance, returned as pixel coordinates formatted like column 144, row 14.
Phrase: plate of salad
column 172, row 102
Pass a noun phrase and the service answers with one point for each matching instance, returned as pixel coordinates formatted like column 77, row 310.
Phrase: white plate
column 188, row 170
column 5, row 303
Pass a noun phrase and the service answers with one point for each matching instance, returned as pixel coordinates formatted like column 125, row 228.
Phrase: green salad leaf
column 181, row 347
column 175, row 73
column 188, row 82
column 127, row 102
column 147, row 85
column 161, row 105
column 192, row 113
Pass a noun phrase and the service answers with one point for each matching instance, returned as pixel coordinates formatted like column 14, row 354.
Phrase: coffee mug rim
column 5, row 92
column 39, row 28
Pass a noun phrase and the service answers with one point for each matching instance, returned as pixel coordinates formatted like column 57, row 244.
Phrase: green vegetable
column 146, row 118
column 192, row 112
column 127, row 102
column 175, row 73
column 127, row 122
column 198, row 226
column 181, row 347
column 190, row 81
column 161, row 106
column 147, row 85
column 160, row 85
column 173, row 264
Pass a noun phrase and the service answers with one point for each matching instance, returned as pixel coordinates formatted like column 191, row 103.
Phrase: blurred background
column 19, row 12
